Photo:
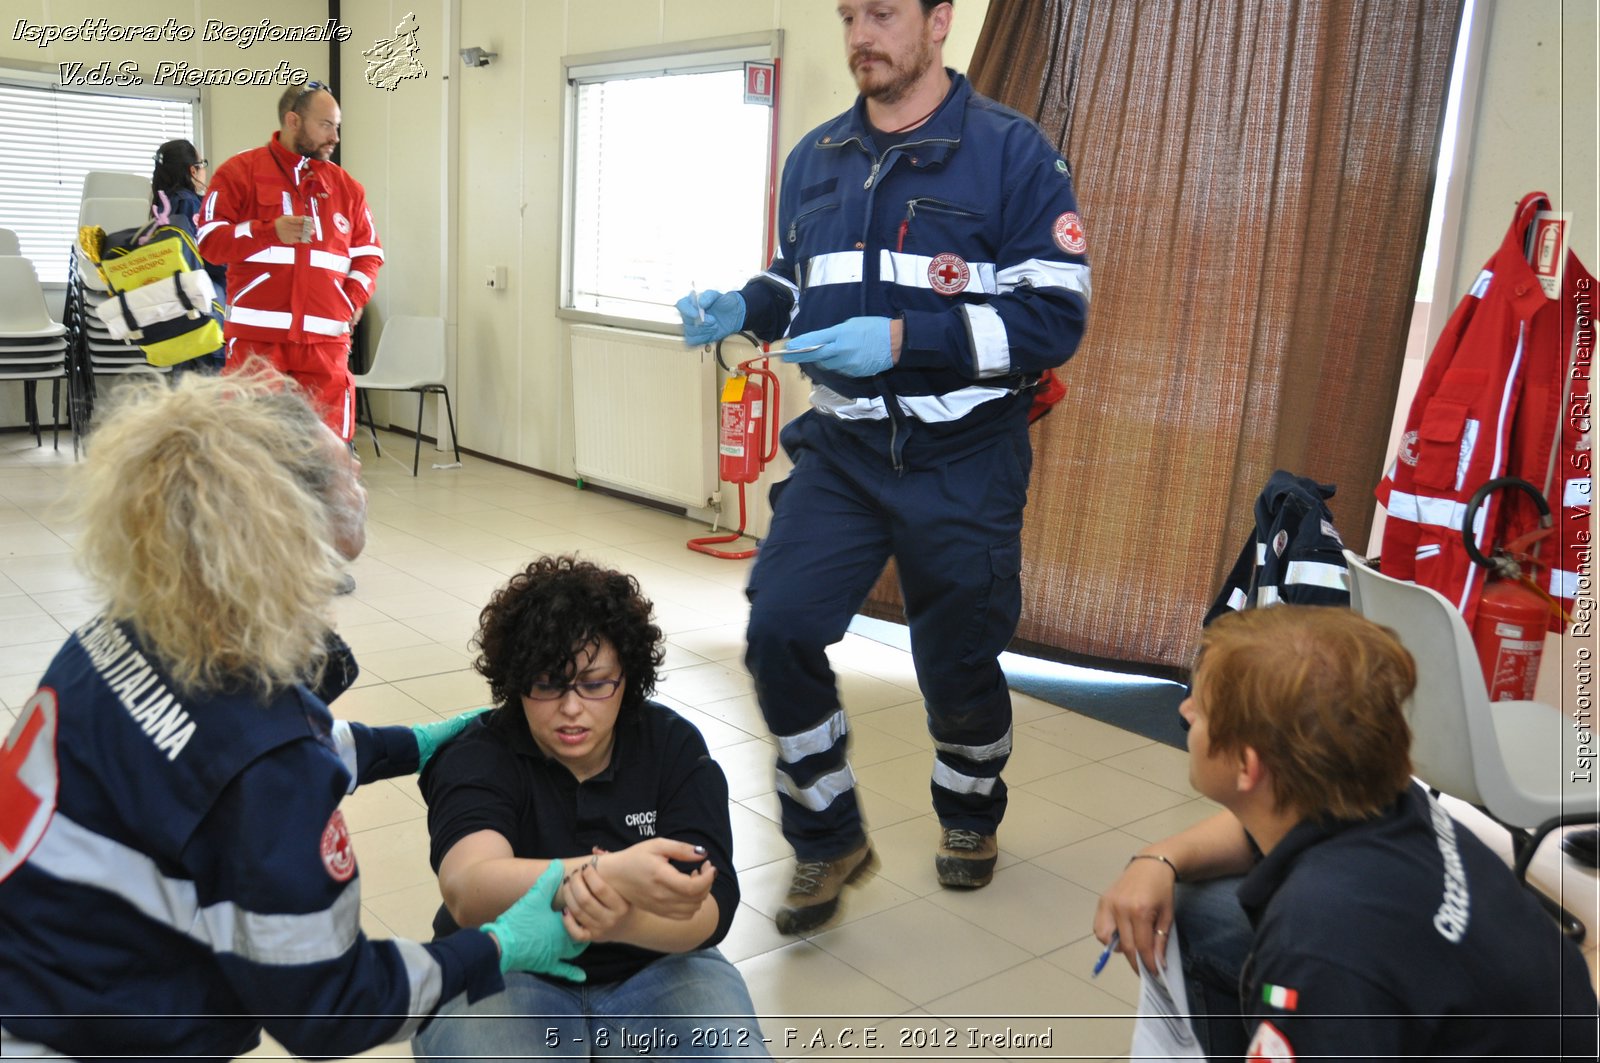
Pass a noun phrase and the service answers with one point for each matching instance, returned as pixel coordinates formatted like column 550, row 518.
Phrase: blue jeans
column 1215, row 936
column 690, row 1005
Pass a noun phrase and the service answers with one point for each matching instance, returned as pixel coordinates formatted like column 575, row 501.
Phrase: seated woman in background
column 575, row 763
column 181, row 175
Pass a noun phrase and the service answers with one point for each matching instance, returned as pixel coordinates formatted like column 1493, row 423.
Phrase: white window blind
column 50, row 138
column 669, row 187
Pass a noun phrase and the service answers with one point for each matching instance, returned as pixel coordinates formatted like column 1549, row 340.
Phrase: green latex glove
column 531, row 935
column 430, row 736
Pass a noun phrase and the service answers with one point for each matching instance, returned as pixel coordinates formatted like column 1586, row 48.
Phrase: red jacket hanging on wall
column 1505, row 393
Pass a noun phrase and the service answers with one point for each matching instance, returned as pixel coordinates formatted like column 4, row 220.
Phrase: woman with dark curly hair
column 576, row 763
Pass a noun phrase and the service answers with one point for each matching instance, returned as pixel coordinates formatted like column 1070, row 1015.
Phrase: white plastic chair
column 108, row 184
column 9, row 244
column 1515, row 760
column 112, row 213
column 26, row 322
column 410, row 357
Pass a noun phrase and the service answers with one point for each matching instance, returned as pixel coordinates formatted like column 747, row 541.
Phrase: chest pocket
column 934, row 226
column 817, row 244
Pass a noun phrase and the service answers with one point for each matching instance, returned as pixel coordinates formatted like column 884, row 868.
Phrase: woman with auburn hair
column 576, row 764
column 175, row 873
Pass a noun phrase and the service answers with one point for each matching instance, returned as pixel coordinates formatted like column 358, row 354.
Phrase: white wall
column 1533, row 122
column 512, row 373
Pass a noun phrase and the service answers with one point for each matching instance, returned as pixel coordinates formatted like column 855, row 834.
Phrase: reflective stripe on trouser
column 955, row 533
column 321, row 369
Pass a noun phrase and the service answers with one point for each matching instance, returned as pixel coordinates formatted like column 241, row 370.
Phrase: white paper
column 1161, row 1029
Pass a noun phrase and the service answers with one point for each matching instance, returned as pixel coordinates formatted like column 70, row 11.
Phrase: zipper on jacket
column 937, row 205
column 794, row 222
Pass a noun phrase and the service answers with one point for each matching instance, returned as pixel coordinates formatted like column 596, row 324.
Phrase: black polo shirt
column 661, row 782
column 1405, row 936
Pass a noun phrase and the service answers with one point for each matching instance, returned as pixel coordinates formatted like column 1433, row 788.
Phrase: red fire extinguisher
column 1513, row 612
column 746, row 441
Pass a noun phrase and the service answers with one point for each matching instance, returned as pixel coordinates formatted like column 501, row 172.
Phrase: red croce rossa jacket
column 1505, row 393
column 289, row 293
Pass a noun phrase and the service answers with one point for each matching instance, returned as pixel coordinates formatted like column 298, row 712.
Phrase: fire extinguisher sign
column 758, row 83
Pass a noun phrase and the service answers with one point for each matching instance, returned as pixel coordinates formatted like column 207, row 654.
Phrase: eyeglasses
column 200, row 162
column 312, row 86
column 587, row 689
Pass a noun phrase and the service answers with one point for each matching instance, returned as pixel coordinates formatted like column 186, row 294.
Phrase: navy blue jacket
column 1404, row 937
column 968, row 230
column 175, row 874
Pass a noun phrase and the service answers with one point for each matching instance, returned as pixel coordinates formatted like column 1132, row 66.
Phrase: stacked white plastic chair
column 33, row 346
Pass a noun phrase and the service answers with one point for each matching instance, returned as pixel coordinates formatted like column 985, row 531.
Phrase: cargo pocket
column 1446, row 435
column 994, row 620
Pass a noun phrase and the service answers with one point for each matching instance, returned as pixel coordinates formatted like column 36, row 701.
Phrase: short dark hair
column 173, row 161
column 537, row 623
column 929, row 5
column 1317, row 692
column 296, row 97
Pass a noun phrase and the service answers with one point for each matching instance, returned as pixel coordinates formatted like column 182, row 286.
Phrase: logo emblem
column 1068, row 231
column 29, row 778
column 948, row 274
column 338, row 855
column 392, row 61
column 1269, row 1045
column 1408, row 448
column 341, row 223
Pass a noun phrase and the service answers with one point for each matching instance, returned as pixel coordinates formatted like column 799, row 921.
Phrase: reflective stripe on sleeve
column 426, row 980
column 208, row 228
column 242, row 231
column 344, row 740
column 367, row 249
column 930, row 409
column 1317, row 574
column 1042, row 273
column 366, row 281
column 76, row 854
column 991, row 348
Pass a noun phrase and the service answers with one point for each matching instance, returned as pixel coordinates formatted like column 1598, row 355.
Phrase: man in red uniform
column 302, row 254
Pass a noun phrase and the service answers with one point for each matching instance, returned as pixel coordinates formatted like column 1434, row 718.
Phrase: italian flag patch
column 1279, row 997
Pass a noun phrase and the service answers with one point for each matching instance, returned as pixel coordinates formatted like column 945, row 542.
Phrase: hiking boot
column 965, row 859
column 814, row 890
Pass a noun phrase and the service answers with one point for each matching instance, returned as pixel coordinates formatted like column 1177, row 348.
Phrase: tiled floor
column 917, row 964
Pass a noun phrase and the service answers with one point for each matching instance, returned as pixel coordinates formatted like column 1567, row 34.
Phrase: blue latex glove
column 531, row 935
column 856, row 347
column 723, row 313
column 430, row 736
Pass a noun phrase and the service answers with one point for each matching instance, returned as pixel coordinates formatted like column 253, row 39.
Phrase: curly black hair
column 536, row 625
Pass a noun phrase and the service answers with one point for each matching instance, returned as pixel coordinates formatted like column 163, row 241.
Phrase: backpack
column 162, row 298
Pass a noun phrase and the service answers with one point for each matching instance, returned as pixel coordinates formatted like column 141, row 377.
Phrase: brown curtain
column 1255, row 178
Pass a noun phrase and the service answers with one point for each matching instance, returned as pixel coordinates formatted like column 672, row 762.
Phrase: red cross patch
column 338, row 854
column 29, row 781
column 1269, row 1045
column 948, row 274
column 1068, row 231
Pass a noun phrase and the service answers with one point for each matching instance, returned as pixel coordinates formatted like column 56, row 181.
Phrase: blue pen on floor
column 1105, row 954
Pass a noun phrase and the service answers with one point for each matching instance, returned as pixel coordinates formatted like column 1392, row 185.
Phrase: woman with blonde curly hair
column 175, row 873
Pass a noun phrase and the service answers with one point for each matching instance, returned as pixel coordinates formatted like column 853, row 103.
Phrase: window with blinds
column 668, row 182
column 50, row 137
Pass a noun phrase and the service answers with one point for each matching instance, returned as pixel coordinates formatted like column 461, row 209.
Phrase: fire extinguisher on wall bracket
column 747, row 438
column 1513, row 611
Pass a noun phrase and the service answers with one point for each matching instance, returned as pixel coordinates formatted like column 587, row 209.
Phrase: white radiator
column 644, row 408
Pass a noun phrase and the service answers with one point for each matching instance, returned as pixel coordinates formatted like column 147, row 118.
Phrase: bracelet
column 1157, row 856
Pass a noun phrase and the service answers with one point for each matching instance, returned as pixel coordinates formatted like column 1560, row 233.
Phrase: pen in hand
column 1105, row 954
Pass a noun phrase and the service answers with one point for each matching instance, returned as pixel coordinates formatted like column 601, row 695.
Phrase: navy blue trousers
column 954, row 530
